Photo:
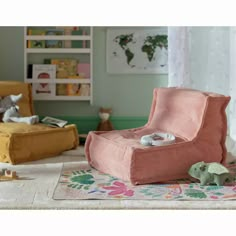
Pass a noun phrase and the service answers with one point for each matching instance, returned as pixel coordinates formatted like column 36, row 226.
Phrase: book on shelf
column 61, row 89
column 65, row 68
column 54, row 43
column 67, row 31
column 78, row 89
column 78, row 43
column 36, row 43
column 30, row 71
column 41, row 72
column 72, row 89
column 53, row 122
column 83, row 70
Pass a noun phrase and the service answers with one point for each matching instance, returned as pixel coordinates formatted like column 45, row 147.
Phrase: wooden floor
column 36, row 189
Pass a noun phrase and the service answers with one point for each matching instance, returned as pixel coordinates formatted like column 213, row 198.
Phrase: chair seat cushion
column 119, row 153
column 130, row 137
column 21, row 142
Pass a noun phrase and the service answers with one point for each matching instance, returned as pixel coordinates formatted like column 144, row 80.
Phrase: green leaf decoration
column 191, row 186
column 194, row 193
column 144, row 190
column 79, row 186
column 219, row 194
column 214, row 187
column 73, row 185
column 83, row 179
column 178, row 197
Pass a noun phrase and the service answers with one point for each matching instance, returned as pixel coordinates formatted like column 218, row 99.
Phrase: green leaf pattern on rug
column 150, row 191
column 195, row 193
column 81, row 179
column 191, row 185
column 218, row 194
column 88, row 183
column 164, row 190
column 214, row 187
column 109, row 179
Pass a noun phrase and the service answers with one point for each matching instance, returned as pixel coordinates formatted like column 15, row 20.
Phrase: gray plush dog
column 11, row 111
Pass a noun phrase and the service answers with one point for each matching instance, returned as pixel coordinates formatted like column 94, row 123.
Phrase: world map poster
column 137, row 51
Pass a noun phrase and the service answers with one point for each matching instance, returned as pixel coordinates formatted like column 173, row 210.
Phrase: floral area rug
column 85, row 182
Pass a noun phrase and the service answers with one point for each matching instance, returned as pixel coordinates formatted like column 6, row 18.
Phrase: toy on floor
column 210, row 173
column 157, row 139
column 11, row 111
column 105, row 124
column 6, row 174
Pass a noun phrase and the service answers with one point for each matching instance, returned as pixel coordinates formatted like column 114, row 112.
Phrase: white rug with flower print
column 84, row 182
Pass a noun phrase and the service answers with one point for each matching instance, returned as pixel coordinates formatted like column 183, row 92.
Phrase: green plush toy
column 210, row 173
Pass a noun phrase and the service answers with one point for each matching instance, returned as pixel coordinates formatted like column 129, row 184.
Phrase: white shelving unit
column 82, row 55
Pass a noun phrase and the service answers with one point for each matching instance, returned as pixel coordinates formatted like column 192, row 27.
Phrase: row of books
column 57, row 43
column 73, row 89
column 64, row 68
column 60, row 68
column 48, row 89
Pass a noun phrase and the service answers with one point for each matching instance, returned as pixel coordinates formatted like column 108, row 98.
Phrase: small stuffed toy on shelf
column 210, row 173
column 105, row 124
column 10, row 111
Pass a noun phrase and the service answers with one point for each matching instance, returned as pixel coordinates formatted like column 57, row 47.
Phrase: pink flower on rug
column 119, row 188
column 234, row 189
column 214, row 197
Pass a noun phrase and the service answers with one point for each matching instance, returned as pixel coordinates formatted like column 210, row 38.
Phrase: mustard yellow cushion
column 21, row 142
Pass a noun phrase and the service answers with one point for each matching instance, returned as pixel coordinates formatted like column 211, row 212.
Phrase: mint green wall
column 11, row 53
column 128, row 95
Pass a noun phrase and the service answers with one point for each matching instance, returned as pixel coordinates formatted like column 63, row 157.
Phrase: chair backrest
column 189, row 113
column 14, row 88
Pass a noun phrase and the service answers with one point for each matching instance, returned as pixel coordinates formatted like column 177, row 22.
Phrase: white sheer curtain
column 205, row 58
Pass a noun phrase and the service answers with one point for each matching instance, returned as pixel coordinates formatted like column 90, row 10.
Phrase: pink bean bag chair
column 197, row 120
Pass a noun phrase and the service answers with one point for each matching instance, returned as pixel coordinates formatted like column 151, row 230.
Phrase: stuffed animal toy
column 11, row 111
column 210, row 173
column 157, row 139
column 9, row 101
column 105, row 124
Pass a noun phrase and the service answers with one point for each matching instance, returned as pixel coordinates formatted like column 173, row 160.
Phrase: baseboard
column 89, row 123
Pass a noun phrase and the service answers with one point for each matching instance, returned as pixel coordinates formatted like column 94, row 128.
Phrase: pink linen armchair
column 198, row 121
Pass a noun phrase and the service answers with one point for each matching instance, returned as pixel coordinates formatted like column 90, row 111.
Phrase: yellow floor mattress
column 22, row 142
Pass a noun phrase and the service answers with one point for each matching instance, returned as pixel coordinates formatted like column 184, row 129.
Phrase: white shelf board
column 63, row 98
column 58, row 50
column 60, row 81
column 58, row 37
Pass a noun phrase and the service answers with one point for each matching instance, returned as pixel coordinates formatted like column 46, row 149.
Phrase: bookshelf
column 58, row 62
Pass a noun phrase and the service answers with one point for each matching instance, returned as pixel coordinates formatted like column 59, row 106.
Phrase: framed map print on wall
column 137, row 51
